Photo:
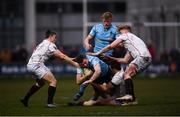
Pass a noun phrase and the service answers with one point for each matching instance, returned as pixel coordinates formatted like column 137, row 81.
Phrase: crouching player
column 82, row 75
column 100, row 74
column 108, row 90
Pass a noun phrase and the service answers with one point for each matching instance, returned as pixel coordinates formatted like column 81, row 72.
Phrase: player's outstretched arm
column 105, row 49
column 109, row 58
column 87, row 42
column 126, row 58
column 80, row 77
column 95, row 75
column 111, row 46
column 65, row 58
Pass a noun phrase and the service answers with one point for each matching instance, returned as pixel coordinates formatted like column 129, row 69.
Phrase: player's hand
column 87, row 82
column 103, row 56
column 88, row 47
column 92, row 54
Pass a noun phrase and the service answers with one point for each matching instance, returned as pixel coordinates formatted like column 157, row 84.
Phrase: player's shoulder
column 114, row 26
column 89, row 57
column 50, row 44
column 99, row 25
column 46, row 42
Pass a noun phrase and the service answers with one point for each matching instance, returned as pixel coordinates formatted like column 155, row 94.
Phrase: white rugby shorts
column 38, row 69
column 141, row 62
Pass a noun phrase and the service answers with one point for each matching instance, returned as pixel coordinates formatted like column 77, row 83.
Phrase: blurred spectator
column 73, row 51
column 164, row 57
column 6, row 56
column 152, row 51
column 174, row 54
column 173, row 67
column 19, row 54
column 15, row 57
column 174, row 57
column 22, row 54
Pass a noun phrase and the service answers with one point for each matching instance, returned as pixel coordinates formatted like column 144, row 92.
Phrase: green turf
column 158, row 96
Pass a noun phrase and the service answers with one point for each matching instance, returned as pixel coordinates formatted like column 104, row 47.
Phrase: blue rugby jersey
column 94, row 61
column 103, row 37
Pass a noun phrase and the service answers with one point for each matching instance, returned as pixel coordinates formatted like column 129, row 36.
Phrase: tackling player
column 138, row 57
column 41, row 54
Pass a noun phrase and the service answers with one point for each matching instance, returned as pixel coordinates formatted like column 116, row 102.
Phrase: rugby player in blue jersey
column 101, row 74
column 100, row 36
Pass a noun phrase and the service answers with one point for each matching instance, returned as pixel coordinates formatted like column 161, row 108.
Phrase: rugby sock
column 51, row 92
column 81, row 92
column 32, row 90
column 129, row 87
column 82, row 88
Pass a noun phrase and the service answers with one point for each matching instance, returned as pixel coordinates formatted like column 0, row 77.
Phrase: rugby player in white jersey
column 41, row 54
column 138, row 57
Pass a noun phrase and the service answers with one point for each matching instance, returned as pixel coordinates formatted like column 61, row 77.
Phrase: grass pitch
column 159, row 96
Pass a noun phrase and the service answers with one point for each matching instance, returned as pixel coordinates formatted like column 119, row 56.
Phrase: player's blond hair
column 125, row 27
column 107, row 15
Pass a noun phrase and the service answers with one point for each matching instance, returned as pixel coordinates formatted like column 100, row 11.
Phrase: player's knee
column 54, row 81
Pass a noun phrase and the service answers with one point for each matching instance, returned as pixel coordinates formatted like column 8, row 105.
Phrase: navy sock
column 51, row 92
column 130, row 88
column 31, row 91
column 82, row 88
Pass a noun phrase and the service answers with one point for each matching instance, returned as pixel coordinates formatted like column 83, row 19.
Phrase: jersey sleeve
column 93, row 31
column 116, row 33
column 123, row 37
column 52, row 47
column 79, row 70
column 95, row 61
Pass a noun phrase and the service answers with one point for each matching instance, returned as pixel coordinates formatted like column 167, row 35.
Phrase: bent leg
column 130, row 72
column 49, row 77
column 34, row 88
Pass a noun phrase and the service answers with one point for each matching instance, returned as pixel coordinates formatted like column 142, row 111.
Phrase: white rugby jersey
column 134, row 45
column 79, row 70
column 42, row 52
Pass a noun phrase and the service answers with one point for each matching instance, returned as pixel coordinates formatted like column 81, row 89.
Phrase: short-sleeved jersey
column 43, row 52
column 92, row 61
column 79, row 70
column 134, row 45
column 103, row 36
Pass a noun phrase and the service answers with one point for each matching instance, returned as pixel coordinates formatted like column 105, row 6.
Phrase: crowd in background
column 19, row 54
